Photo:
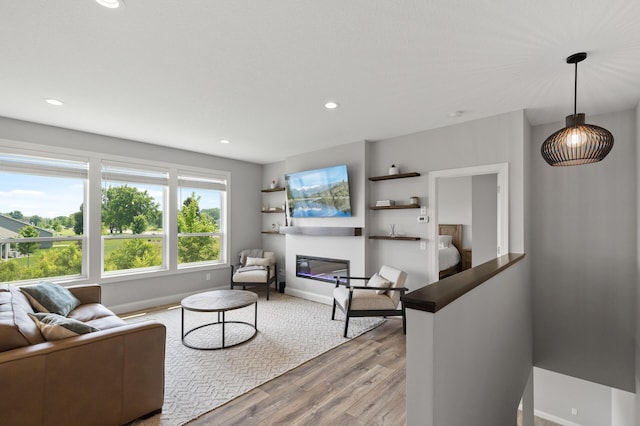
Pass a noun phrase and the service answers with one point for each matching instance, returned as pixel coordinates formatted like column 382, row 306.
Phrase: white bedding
column 448, row 257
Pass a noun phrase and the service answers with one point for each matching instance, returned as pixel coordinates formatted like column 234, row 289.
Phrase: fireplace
column 321, row 268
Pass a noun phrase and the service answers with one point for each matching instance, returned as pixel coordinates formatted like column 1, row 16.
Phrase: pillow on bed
column 444, row 241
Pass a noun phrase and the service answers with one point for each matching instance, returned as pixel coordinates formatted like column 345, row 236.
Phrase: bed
column 449, row 249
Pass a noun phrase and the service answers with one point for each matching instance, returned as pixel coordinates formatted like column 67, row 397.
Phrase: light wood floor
column 361, row 382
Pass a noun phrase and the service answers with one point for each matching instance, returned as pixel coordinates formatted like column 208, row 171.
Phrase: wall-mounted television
column 319, row 193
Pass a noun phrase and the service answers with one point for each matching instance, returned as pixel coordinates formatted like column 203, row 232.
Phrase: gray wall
column 274, row 243
column 468, row 363
column 338, row 247
column 637, row 375
column 454, row 205
column 486, row 141
column 584, row 259
column 557, row 394
column 162, row 288
column 485, row 218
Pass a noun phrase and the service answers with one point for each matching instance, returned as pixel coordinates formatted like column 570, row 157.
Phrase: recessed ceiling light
column 111, row 4
column 224, row 141
column 55, row 102
column 331, row 105
column 456, row 114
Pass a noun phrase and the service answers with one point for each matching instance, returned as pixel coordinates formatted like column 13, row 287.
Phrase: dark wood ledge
column 436, row 296
column 327, row 231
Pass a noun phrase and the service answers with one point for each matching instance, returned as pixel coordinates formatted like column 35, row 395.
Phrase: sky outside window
column 45, row 196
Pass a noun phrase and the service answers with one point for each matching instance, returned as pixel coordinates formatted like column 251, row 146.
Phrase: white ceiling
column 187, row 73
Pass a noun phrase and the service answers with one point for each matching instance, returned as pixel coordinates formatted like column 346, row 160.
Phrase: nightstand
column 466, row 259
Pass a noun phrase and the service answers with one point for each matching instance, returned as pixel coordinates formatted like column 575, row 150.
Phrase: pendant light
column 578, row 143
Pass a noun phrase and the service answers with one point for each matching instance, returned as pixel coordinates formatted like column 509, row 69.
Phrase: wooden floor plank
column 331, row 389
column 332, row 405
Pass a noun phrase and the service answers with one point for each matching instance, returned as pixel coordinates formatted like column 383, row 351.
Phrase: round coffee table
column 220, row 301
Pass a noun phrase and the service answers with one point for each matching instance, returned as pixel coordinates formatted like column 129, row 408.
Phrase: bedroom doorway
column 485, row 201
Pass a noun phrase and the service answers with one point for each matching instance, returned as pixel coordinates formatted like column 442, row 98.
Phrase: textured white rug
column 291, row 331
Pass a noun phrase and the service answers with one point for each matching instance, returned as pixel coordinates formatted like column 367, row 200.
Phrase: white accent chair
column 255, row 271
column 379, row 296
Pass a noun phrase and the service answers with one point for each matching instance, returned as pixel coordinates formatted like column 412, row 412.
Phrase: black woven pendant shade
column 578, row 143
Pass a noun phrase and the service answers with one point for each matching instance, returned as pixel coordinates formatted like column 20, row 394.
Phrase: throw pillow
column 56, row 327
column 378, row 281
column 50, row 297
column 257, row 261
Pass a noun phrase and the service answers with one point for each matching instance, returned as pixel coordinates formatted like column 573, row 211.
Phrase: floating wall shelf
column 273, row 211
column 273, row 190
column 386, row 237
column 330, row 231
column 398, row 176
column 396, row 207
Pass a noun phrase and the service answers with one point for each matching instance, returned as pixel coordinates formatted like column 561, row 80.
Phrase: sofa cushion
column 56, row 327
column 49, row 297
column 251, row 276
column 362, row 299
column 96, row 315
column 16, row 328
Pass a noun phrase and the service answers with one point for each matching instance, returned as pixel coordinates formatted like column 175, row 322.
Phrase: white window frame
column 41, row 163
column 215, row 181
column 131, row 174
column 92, row 245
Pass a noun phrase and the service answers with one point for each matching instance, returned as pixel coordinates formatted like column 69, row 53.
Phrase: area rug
column 291, row 331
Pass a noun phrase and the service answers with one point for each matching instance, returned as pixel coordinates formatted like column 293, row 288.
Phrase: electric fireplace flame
column 321, row 268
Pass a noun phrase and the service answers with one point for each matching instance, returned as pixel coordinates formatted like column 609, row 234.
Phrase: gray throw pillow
column 50, row 297
column 56, row 327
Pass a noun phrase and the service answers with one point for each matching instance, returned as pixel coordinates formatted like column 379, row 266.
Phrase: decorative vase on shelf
column 393, row 170
column 273, row 184
column 392, row 234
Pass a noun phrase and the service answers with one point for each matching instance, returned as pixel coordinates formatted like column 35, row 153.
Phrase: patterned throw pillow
column 49, row 297
column 56, row 327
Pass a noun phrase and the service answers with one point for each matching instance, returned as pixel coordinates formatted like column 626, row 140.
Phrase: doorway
column 488, row 230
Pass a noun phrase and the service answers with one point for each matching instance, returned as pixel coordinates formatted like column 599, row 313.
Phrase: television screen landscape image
column 319, row 193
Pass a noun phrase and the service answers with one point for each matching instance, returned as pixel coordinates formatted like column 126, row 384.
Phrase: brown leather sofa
column 107, row 377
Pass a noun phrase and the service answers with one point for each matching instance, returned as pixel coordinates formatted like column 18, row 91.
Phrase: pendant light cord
column 575, row 92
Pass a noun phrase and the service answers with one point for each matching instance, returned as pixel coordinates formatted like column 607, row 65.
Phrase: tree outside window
column 191, row 220
column 28, row 248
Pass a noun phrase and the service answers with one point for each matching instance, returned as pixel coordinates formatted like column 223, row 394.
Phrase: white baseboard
column 314, row 297
column 158, row 301
column 176, row 298
column 555, row 419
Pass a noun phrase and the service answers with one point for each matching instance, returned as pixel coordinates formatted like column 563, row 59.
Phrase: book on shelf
column 385, row 203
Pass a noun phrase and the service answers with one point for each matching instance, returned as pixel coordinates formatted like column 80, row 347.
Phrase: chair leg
column 346, row 325
column 268, row 285
column 333, row 312
column 404, row 320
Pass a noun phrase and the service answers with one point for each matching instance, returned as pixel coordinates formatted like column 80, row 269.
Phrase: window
column 41, row 217
column 133, row 214
column 48, row 231
column 200, row 218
